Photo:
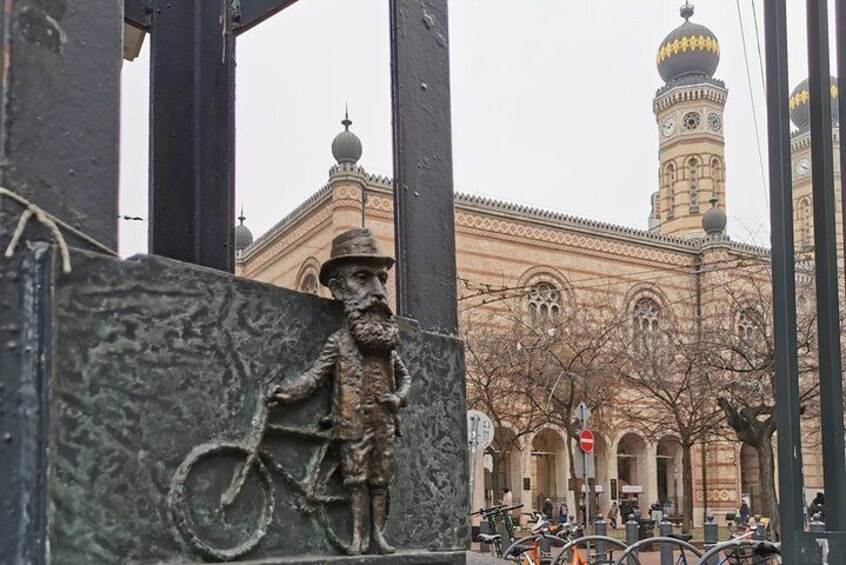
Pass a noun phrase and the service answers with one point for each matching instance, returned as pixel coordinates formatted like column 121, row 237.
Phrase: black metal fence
column 800, row 546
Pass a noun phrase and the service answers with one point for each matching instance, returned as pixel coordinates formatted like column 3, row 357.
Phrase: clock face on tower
column 802, row 167
column 714, row 122
column 668, row 127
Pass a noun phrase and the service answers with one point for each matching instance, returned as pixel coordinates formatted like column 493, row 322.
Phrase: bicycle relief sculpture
column 369, row 385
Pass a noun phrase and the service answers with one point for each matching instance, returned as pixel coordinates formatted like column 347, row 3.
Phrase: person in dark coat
column 547, row 509
column 625, row 510
column 744, row 513
column 817, row 506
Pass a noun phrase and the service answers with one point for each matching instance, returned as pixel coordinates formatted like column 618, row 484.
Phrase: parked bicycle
column 492, row 516
column 536, row 548
column 586, row 550
column 222, row 498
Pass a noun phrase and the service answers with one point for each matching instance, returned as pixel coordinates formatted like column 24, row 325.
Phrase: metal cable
column 754, row 109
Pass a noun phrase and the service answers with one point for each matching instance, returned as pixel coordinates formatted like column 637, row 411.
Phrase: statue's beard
column 372, row 325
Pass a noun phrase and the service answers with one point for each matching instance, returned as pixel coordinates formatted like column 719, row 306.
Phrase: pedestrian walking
column 744, row 513
column 507, row 497
column 612, row 514
column 547, row 509
column 562, row 513
column 626, row 510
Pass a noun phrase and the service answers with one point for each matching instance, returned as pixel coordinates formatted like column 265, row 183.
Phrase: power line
column 519, row 292
column 752, row 100
column 758, row 42
column 578, row 284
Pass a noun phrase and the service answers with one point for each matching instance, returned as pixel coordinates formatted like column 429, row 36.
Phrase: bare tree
column 495, row 378
column 738, row 342
column 530, row 367
column 662, row 364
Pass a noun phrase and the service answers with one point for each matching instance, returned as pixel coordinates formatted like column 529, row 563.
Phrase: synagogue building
column 673, row 271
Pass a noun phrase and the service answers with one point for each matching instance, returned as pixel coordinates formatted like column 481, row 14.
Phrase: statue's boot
column 359, row 507
column 379, row 514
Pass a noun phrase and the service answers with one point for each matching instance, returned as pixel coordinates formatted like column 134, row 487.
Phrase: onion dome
column 346, row 147
column 690, row 49
column 243, row 235
column 800, row 109
column 714, row 220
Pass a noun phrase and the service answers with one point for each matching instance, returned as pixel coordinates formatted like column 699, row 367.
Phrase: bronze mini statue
column 370, row 382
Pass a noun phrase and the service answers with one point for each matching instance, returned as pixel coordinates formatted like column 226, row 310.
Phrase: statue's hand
column 391, row 400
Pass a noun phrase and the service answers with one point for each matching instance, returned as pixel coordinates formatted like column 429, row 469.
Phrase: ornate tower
column 800, row 145
column 689, row 113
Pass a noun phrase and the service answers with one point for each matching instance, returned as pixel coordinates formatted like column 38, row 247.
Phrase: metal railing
column 752, row 547
column 798, row 544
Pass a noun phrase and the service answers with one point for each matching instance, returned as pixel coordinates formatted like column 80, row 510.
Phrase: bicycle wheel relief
column 222, row 496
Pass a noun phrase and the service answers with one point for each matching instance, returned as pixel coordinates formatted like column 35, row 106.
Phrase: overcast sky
column 551, row 105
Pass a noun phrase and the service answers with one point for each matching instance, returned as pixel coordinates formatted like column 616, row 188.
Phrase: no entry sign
column 586, row 440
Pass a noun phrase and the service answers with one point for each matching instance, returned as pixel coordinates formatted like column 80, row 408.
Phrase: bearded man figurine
column 369, row 381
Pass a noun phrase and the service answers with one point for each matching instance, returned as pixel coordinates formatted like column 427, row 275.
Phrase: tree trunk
column 766, row 476
column 687, row 489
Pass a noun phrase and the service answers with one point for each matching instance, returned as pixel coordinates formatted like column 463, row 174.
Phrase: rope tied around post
column 53, row 224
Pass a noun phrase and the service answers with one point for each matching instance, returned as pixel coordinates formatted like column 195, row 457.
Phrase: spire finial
column 687, row 10
column 346, row 121
column 242, row 217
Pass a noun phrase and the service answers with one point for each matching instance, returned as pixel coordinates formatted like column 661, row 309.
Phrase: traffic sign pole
column 586, row 444
column 474, row 441
column 479, row 434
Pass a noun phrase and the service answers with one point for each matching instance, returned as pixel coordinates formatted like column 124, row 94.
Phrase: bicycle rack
column 649, row 541
column 587, row 539
column 730, row 544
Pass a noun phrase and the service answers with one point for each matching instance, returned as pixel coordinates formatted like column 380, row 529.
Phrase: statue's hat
column 356, row 245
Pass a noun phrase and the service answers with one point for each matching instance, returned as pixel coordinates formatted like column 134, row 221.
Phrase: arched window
column 693, row 176
column 806, row 225
column 669, row 187
column 750, row 333
column 646, row 318
column 309, row 285
column 544, row 302
column 717, row 176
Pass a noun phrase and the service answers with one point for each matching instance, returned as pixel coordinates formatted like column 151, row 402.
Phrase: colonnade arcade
column 536, row 465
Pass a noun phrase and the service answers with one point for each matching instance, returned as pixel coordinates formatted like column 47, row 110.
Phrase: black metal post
column 423, row 192
column 59, row 104
column 784, row 285
column 192, row 132
column 825, row 256
column 840, row 24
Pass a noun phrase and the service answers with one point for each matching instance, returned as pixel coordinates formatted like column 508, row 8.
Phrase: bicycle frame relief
column 312, row 492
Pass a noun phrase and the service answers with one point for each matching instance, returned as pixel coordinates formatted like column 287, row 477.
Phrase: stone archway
column 549, row 469
column 505, row 452
column 633, row 468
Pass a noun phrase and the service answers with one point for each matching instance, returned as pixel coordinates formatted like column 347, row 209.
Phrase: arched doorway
column 669, row 466
column 504, row 466
column 750, row 479
column 549, row 469
column 632, row 469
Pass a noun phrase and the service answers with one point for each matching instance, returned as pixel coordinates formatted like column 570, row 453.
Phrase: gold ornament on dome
column 803, row 96
column 683, row 44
